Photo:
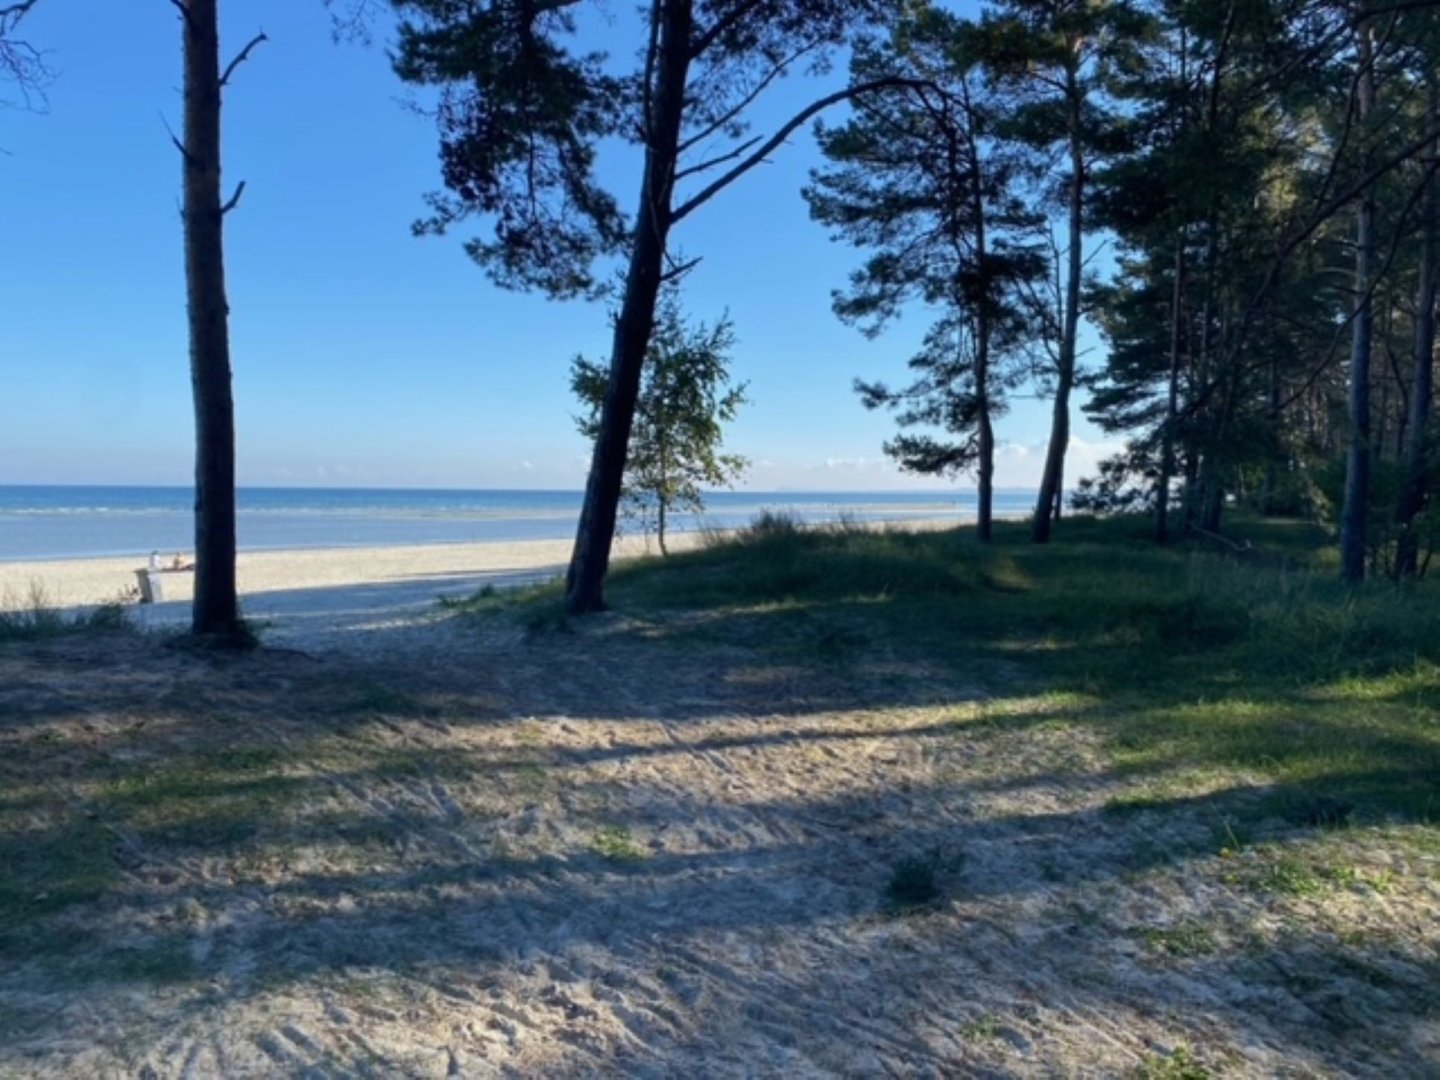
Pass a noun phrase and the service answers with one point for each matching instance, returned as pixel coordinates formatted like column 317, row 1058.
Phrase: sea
column 71, row 522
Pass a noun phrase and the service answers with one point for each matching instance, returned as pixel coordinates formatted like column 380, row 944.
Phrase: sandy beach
column 312, row 597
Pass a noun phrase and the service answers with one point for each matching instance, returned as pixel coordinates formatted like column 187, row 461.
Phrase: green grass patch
column 47, row 866
column 1183, row 940
column 539, row 607
column 215, row 799
column 1178, row 1064
column 1251, row 669
column 615, row 842
column 36, row 616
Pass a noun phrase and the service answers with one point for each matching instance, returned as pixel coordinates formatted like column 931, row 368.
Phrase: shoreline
column 330, row 597
column 82, row 582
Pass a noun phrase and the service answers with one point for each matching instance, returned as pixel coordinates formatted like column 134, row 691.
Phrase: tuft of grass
column 614, row 842
column 1287, row 875
column 914, row 882
column 540, row 608
column 1178, row 1064
column 981, row 1029
column 1184, row 940
column 36, row 616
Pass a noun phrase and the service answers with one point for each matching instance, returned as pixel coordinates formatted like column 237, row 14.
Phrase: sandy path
column 607, row 853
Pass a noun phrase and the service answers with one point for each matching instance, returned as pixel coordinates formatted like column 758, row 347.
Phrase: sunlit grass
column 1261, row 666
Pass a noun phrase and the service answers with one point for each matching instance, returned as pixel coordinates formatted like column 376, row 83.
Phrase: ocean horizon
column 41, row 522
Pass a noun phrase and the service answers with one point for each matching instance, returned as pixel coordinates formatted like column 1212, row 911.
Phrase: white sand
column 307, row 598
column 71, row 582
column 320, row 598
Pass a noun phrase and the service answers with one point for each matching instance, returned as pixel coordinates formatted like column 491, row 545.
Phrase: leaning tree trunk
column 1051, row 479
column 590, row 559
column 1412, row 491
column 216, row 611
column 1357, row 465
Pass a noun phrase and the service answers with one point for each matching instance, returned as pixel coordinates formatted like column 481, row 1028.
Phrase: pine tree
column 686, row 398
column 522, row 112
column 918, row 180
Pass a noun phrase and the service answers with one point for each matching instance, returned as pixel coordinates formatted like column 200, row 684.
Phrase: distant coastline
column 46, row 522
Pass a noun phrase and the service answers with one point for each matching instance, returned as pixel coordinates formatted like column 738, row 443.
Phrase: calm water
column 87, row 522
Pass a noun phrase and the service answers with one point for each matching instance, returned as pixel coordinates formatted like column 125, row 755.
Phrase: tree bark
column 985, row 511
column 1357, row 466
column 590, row 558
column 1412, row 491
column 216, row 611
column 1050, row 481
column 1172, row 400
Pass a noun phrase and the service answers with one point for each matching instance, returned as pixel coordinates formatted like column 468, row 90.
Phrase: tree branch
column 11, row 14
column 241, row 58
column 679, row 270
column 174, row 138
column 709, row 37
column 712, row 162
column 776, row 140
column 749, row 99
column 234, row 199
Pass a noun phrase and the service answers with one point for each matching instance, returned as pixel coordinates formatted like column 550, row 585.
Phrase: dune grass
column 36, row 616
column 1196, row 662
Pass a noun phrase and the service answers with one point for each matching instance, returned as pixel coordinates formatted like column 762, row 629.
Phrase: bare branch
column 679, row 270
column 778, row 139
column 11, row 14
column 704, row 166
column 234, row 199
column 712, row 35
column 174, row 138
column 749, row 99
column 240, row 59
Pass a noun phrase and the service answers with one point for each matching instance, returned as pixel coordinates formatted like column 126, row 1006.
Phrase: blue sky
column 362, row 355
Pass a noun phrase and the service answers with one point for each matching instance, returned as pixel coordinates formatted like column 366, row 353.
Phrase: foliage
column 525, row 106
column 917, row 179
column 685, row 399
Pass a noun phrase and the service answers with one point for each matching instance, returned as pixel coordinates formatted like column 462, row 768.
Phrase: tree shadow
column 233, row 829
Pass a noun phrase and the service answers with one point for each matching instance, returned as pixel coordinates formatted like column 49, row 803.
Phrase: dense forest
column 1238, row 196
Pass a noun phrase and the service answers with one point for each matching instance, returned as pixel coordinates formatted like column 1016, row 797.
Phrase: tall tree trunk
column 660, row 524
column 590, row 559
column 1269, row 498
column 1052, row 478
column 985, row 516
column 1412, row 491
column 216, row 610
column 984, row 311
column 1191, row 494
column 1172, row 398
column 1357, row 464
